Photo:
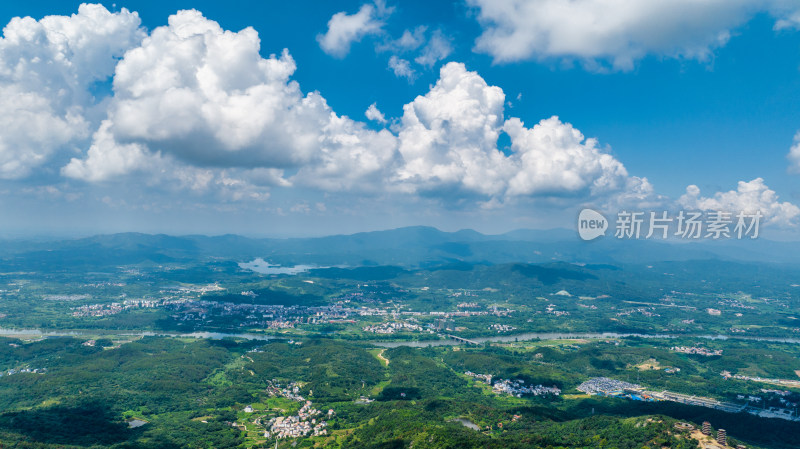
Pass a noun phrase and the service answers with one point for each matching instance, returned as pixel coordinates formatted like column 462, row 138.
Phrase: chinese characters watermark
column 688, row 225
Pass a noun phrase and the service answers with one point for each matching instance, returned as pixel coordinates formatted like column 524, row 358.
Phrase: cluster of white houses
column 305, row 423
column 514, row 387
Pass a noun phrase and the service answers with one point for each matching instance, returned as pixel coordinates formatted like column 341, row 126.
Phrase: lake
column 261, row 266
column 467, row 423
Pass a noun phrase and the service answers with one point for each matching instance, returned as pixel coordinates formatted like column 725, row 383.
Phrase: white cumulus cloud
column 437, row 49
column 402, row 68
column 350, row 157
column 196, row 96
column 107, row 158
column 409, row 40
column 448, row 140
column 448, row 136
column 749, row 197
column 373, row 113
column 554, row 157
column 195, row 107
column 344, row 29
column 616, row 31
column 46, row 70
column 206, row 97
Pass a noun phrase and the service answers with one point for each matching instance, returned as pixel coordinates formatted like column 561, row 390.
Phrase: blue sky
column 675, row 95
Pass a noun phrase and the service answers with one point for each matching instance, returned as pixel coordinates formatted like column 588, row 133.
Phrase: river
column 564, row 335
column 527, row 336
column 104, row 332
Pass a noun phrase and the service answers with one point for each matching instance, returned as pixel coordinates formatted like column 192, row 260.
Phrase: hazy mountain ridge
column 417, row 246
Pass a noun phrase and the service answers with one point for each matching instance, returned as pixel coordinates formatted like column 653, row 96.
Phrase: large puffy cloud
column 344, row 29
column 749, row 197
column 46, row 70
column 449, row 136
column 555, row 157
column 197, row 108
column 206, row 96
column 448, row 140
column 617, row 31
column 195, row 95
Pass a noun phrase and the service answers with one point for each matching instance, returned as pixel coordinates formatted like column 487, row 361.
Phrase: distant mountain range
column 416, row 246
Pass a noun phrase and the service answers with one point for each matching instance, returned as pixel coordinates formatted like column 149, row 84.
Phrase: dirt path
column 383, row 359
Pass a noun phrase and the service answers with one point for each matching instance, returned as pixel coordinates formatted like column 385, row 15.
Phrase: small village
column 12, row 371
column 514, row 387
column 306, row 422
column 697, row 350
column 502, row 328
column 390, row 328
